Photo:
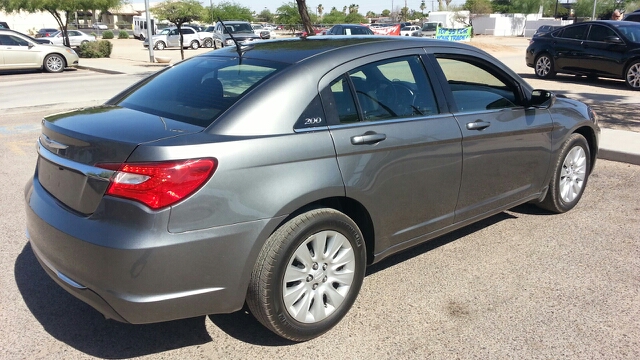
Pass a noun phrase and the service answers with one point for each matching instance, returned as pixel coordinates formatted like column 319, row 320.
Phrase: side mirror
column 613, row 40
column 542, row 99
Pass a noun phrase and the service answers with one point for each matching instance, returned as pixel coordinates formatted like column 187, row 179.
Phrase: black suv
column 634, row 16
column 603, row 48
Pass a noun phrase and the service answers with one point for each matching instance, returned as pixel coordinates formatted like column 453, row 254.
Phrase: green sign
column 463, row 34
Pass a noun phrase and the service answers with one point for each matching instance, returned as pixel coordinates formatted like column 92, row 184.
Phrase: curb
column 104, row 71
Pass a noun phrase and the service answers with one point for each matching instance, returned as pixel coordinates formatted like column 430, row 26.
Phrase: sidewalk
column 130, row 57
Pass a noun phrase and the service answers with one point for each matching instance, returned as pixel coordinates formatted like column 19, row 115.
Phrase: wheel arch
column 351, row 208
column 590, row 135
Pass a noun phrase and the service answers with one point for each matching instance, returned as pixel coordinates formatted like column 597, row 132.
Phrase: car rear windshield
column 198, row 90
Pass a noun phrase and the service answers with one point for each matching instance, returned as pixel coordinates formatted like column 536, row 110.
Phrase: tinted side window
column 394, row 88
column 344, row 103
column 599, row 33
column 575, row 32
column 476, row 87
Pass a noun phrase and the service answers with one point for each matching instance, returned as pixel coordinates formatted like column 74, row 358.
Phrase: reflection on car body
column 242, row 190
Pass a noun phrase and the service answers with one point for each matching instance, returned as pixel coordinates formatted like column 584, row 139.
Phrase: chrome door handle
column 478, row 125
column 368, row 138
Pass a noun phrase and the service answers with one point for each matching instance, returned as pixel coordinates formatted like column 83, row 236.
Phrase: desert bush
column 107, row 34
column 123, row 35
column 95, row 49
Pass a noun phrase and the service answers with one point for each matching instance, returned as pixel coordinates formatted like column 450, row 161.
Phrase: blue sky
column 364, row 5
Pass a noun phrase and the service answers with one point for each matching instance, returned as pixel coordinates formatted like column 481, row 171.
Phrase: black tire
column 194, row 45
column 544, row 66
column 571, row 172
column 632, row 75
column 208, row 42
column 54, row 63
column 160, row 45
column 334, row 277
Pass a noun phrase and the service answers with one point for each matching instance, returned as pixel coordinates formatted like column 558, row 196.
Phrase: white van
column 140, row 27
column 430, row 28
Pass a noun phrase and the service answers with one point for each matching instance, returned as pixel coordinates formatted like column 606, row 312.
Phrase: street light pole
column 149, row 31
column 593, row 15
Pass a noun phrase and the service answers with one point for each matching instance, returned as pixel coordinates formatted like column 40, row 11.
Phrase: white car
column 76, row 38
column 100, row 26
column 169, row 37
column 412, row 30
column 22, row 52
column 263, row 32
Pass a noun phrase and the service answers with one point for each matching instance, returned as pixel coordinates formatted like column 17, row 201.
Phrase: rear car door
column 568, row 48
column 506, row 146
column 398, row 151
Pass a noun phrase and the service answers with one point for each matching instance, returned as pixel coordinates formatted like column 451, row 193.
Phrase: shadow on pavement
column 80, row 326
column 437, row 242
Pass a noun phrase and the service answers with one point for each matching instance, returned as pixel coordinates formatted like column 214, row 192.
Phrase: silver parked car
column 18, row 51
column 76, row 38
column 170, row 38
column 165, row 203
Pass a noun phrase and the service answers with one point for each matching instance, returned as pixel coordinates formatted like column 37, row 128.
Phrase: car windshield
column 214, row 85
column 239, row 28
column 630, row 31
column 429, row 26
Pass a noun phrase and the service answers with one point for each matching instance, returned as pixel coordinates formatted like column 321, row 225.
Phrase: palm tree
column 353, row 8
column 422, row 7
column 320, row 9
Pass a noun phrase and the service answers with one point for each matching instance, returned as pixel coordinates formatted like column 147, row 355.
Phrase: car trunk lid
column 71, row 144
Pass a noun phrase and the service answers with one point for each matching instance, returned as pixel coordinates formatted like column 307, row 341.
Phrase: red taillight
column 159, row 184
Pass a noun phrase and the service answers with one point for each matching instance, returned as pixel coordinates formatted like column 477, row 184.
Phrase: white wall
column 24, row 21
column 448, row 18
column 512, row 24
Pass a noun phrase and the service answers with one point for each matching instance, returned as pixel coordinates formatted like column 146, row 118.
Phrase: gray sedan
column 288, row 167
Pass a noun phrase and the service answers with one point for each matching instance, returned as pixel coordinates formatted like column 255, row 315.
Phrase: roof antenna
column 239, row 48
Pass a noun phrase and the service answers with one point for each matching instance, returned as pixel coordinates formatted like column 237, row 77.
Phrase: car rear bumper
column 139, row 272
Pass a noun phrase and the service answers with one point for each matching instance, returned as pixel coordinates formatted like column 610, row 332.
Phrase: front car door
column 397, row 147
column 602, row 56
column 173, row 39
column 506, row 146
column 17, row 52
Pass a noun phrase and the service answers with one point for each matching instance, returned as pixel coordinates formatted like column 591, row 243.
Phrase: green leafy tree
column 288, row 15
column 231, row 11
column 386, row 13
column 355, row 18
column 501, row 6
column 404, row 13
column 551, row 8
column 179, row 12
column 604, row 8
column 525, row 6
column 478, row 7
column 61, row 10
column 266, row 16
column 334, row 17
column 371, row 14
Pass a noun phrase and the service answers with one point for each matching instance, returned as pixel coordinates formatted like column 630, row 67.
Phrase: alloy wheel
column 318, row 276
column 543, row 66
column 633, row 76
column 573, row 174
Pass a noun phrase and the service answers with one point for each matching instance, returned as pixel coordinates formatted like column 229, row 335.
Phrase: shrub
column 93, row 33
column 95, row 49
column 107, row 34
column 123, row 35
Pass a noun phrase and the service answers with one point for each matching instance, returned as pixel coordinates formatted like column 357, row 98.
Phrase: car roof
column 295, row 50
